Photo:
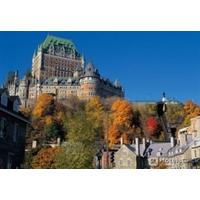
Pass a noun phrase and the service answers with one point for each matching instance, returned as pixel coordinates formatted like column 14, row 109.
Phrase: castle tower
column 89, row 82
column 13, row 85
column 56, row 57
column 23, row 91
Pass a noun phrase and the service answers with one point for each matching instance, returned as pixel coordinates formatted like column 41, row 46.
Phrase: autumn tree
column 143, row 113
column 152, row 126
column 121, row 122
column 29, row 155
column 44, row 105
column 191, row 110
column 26, row 111
column 45, row 159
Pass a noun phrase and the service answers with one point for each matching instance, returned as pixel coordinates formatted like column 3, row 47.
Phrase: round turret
column 89, row 82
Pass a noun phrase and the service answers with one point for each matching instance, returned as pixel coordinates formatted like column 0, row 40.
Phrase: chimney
column 121, row 141
column 183, row 139
column 137, row 146
column 58, row 141
column 34, row 144
column 143, row 143
column 172, row 141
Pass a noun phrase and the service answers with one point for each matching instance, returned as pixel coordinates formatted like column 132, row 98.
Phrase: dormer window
column 16, row 105
column 4, row 99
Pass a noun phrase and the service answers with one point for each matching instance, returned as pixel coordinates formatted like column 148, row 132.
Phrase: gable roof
column 158, row 147
column 131, row 148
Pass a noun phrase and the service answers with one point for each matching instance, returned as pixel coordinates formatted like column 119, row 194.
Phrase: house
column 186, row 153
column 182, row 152
column 12, row 131
column 130, row 156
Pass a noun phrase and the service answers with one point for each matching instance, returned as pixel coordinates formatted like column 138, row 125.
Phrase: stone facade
column 59, row 69
column 126, row 158
column 182, row 152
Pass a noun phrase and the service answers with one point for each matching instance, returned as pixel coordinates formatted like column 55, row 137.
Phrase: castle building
column 59, row 69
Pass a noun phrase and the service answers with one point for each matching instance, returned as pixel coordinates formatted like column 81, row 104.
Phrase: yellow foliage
column 191, row 110
column 42, row 105
column 95, row 111
column 48, row 120
column 26, row 111
column 113, row 135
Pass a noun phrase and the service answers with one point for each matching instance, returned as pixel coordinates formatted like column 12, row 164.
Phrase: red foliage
column 152, row 126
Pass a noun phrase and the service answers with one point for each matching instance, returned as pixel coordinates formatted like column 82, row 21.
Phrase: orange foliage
column 122, row 116
column 191, row 110
column 113, row 135
column 43, row 105
column 45, row 159
column 126, row 138
column 122, row 112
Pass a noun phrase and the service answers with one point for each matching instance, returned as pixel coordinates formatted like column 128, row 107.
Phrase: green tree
column 175, row 114
column 95, row 113
column 75, row 155
column 80, row 148
column 52, row 132
column 80, row 129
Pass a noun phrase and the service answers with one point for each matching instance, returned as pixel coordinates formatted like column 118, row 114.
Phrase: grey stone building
column 182, row 152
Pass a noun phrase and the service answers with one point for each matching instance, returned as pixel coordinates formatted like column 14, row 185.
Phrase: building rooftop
column 158, row 149
column 60, row 81
column 53, row 40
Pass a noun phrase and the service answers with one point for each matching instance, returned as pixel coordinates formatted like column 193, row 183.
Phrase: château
column 59, row 69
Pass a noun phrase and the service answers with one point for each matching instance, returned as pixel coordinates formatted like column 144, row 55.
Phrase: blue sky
column 146, row 63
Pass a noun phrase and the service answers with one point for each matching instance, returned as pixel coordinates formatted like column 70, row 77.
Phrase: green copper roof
column 52, row 40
